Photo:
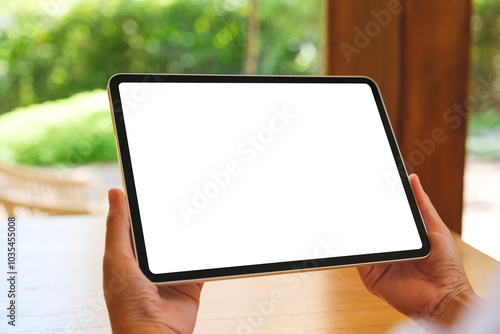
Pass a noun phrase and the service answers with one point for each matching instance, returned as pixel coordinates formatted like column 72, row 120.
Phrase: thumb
column 118, row 237
column 431, row 218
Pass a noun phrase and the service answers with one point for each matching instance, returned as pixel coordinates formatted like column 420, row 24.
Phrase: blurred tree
column 52, row 49
column 252, row 48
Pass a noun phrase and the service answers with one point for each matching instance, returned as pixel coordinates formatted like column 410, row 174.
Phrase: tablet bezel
column 259, row 269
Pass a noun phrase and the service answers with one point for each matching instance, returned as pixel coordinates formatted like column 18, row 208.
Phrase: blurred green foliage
column 483, row 139
column 486, row 120
column 76, row 130
column 52, row 49
column 485, row 55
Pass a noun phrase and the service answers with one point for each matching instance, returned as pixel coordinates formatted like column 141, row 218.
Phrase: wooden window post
column 418, row 53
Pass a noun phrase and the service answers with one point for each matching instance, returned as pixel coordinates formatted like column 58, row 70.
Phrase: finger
column 118, row 224
column 429, row 214
column 364, row 271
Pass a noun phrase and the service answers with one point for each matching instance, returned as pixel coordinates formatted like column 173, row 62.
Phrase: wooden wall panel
column 433, row 127
column 377, row 56
column 420, row 60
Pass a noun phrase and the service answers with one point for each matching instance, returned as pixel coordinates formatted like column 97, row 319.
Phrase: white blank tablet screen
column 232, row 174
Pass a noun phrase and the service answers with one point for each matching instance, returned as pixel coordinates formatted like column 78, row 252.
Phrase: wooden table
column 59, row 289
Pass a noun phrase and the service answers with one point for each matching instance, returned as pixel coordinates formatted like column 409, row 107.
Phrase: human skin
column 435, row 288
column 135, row 304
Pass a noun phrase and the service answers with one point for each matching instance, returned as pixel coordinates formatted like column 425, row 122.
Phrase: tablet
column 231, row 176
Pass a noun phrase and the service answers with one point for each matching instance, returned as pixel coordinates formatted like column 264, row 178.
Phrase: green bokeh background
column 52, row 49
column 65, row 52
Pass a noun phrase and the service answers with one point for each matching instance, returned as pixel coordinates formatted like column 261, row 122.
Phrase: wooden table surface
column 59, row 289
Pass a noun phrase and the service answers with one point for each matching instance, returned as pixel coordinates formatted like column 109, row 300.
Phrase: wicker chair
column 30, row 191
